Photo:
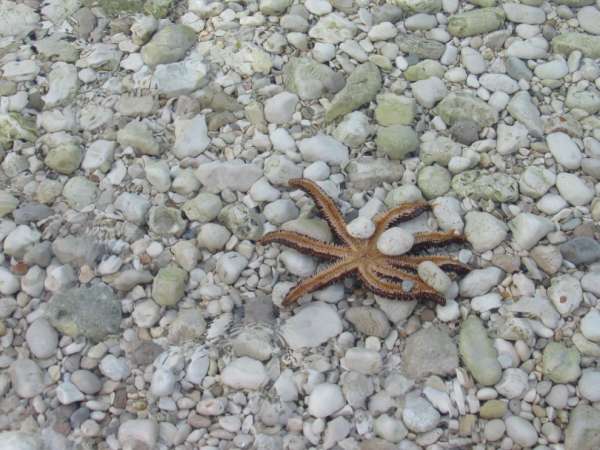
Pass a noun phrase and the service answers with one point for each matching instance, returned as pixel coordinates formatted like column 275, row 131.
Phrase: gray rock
column 430, row 351
column 361, row 87
column 434, row 181
column 420, row 47
column 80, row 192
column 64, row 158
column 521, row 108
column 189, row 325
column 166, row 221
column 168, row 45
column 93, row 312
column 311, row 326
column 517, row 69
column 370, row 321
column 581, row 250
column 235, row 175
column 367, row 173
column 242, row 221
column 465, row 131
column 465, row 106
column 19, row 440
column 419, row 415
column 27, row 378
column 139, row 136
column 311, row 80
column 478, row 353
column 333, row 29
column 86, row 381
column 582, row 430
column 476, row 184
column 42, row 339
column 31, row 212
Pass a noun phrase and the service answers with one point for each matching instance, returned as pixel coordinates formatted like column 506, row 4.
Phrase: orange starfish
column 388, row 276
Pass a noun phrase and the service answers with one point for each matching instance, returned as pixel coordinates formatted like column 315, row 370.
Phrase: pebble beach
column 145, row 147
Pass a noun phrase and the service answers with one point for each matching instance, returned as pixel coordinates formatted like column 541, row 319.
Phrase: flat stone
column 478, row 352
column 311, row 326
column 430, row 351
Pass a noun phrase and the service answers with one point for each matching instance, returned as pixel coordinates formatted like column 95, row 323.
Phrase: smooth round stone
column 389, row 428
column 434, row 181
column 558, row 396
column 574, row 189
column 325, row 399
column 494, row 430
column 484, row 231
column 589, row 19
column 590, row 325
column 589, row 385
column 27, row 378
column 244, row 373
column 448, row 312
column 138, row 433
column 565, row 150
column 513, row 384
column 553, row 70
column 395, row 241
column 521, row 431
column 419, row 415
column 163, row 382
column 551, row 204
column 435, row 277
column 361, row 227
column 86, row 381
column 42, row 339
column 280, row 108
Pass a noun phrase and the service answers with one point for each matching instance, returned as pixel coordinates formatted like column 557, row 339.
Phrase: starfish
column 388, row 276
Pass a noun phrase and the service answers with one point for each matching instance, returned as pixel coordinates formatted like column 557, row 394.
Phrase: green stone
column 478, row 185
column 583, row 431
column 423, row 70
column 8, row 203
column 587, row 44
column 168, row 45
column 478, row 353
column 483, row 3
column 396, row 141
column 14, row 126
column 395, row 109
column 419, row 6
column 420, row 47
column 158, row 8
column 493, row 409
column 361, row 87
column 309, row 79
column 93, row 312
column 434, row 181
column 64, row 158
column 463, row 105
column 115, row 7
column 169, row 285
column 560, row 363
column 477, row 21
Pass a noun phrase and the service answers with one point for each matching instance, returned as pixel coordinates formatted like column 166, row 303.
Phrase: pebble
column 528, row 229
column 395, row 241
column 311, row 326
column 244, row 373
column 27, row 378
column 419, row 415
column 589, row 386
column 565, row 293
column 136, row 432
column 42, row 339
column 478, row 352
column 513, row 383
column 325, row 399
column 564, row 150
column 521, row 431
column 574, row 189
column 561, row 364
column 484, row 231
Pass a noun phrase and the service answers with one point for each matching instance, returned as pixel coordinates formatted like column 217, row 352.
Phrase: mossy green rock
column 116, row 7
column 419, row 6
column 434, row 181
column 423, row 70
column 14, row 126
column 158, row 8
column 477, row 21
column 396, row 141
column 478, row 353
column 93, row 312
column 478, row 185
column 361, row 87
column 168, row 45
column 493, row 409
column 560, row 363
column 587, row 44
column 169, row 285
column 395, row 109
column 64, row 158
column 463, row 105
column 311, row 80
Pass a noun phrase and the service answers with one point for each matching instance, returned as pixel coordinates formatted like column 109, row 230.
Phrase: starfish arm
column 436, row 239
column 327, row 207
column 330, row 275
column 412, row 262
column 387, row 286
column 400, row 213
column 304, row 244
